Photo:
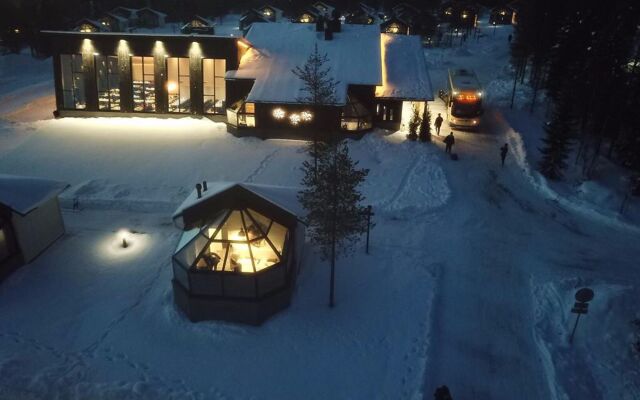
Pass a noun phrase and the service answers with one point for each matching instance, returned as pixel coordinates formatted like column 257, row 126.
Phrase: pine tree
column 335, row 214
column 319, row 89
column 414, row 124
column 425, row 127
column 557, row 142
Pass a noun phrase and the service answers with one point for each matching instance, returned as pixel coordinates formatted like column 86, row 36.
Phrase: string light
column 278, row 113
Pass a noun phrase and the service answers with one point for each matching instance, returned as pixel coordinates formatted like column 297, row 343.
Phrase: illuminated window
column 108, row 80
column 242, row 114
column 214, row 86
column 306, row 18
column 355, row 116
column 239, row 241
column 393, row 28
column 87, row 28
column 144, row 91
column 178, row 85
column 73, row 82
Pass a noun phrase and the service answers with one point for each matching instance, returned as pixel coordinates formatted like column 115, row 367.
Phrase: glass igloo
column 237, row 257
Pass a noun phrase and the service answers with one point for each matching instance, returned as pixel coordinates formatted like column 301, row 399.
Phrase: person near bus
column 503, row 152
column 438, row 123
column 449, row 141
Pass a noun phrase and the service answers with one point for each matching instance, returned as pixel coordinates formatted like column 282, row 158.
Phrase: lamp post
column 494, row 28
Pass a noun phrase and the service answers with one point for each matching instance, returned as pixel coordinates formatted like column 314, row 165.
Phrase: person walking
column 438, row 123
column 449, row 141
column 503, row 152
column 509, row 38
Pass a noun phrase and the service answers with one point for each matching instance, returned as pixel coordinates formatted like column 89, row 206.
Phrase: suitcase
column 454, row 156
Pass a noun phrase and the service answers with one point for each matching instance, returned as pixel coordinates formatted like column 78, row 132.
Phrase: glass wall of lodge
column 74, row 79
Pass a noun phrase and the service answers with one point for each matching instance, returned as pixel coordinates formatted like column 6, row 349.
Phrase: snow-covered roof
column 277, row 48
column 151, row 10
column 23, row 194
column 114, row 16
column 283, row 197
column 405, row 74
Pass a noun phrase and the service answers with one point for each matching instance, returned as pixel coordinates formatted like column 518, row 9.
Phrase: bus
column 463, row 99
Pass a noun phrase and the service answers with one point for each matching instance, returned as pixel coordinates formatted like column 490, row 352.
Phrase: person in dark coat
column 509, row 38
column 438, row 123
column 449, row 141
column 503, row 152
column 442, row 393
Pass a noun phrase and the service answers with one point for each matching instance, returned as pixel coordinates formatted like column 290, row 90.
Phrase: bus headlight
column 479, row 94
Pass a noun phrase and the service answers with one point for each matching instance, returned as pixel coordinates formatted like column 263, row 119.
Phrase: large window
column 144, row 91
column 241, row 241
column 73, row 82
column 178, row 85
column 108, row 79
column 355, row 116
column 214, row 85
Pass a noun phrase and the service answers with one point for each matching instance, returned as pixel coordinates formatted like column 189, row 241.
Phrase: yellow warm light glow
column 278, row 113
column 306, row 116
column 305, row 18
column 16, row 30
column 267, row 12
column 195, row 50
column 172, row 86
column 242, row 43
column 464, row 15
column 393, row 28
column 159, row 48
column 294, row 119
column 383, row 42
column 87, row 46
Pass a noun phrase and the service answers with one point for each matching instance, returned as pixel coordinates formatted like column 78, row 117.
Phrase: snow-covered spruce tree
column 318, row 89
column 557, row 141
column 425, row 128
column 414, row 124
column 335, row 214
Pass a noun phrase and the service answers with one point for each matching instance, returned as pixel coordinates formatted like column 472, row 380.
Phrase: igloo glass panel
column 277, row 235
column 259, row 219
column 232, row 230
column 263, row 254
column 187, row 256
column 213, row 226
column 239, row 258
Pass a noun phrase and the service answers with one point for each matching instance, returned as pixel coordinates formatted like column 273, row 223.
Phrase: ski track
column 262, row 166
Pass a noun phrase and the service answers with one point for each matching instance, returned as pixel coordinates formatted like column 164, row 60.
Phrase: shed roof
column 24, row 194
column 354, row 58
column 405, row 74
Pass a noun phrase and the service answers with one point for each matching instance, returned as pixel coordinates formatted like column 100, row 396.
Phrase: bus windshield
column 466, row 109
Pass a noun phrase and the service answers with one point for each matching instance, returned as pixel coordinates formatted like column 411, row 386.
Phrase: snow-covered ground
column 469, row 281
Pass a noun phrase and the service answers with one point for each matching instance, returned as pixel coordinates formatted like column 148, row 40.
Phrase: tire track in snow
column 403, row 183
column 261, row 167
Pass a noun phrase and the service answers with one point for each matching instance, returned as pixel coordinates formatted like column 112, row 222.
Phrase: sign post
column 581, row 306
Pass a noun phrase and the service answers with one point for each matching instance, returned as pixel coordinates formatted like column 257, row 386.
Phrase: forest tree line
column 585, row 57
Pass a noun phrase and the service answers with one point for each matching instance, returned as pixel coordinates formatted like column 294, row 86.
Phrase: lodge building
column 246, row 82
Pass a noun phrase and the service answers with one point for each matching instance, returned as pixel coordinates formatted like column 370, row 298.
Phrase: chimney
column 204, row 186
column 199, row 189
column 320, row 24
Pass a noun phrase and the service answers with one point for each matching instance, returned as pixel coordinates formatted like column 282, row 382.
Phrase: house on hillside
column 271, row 13
column 324, row 9
column 361, row 14
column 246, row 82
column 30, row 219
column 131, row 14
column 502, row 15
column 249, row 18
column 460, row 14
column 113, row 22
column 89, row 25
column 240, row 252
column 307, row 16
column 396, row 25
column 150, row 18
column 199, row 25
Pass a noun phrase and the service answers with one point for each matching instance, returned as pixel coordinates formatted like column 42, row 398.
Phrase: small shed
column 150, row 18
column 200, row 25
column 30, row 219
column 249, row 18
column 239, row 254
